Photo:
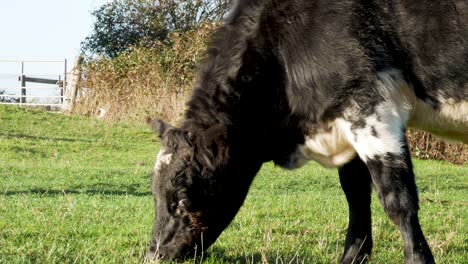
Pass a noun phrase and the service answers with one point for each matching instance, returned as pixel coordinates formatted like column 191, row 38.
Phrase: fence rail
column 31, row 96
column 31, row 61
column 32, row 88
column 23, row 98
column 31, row 104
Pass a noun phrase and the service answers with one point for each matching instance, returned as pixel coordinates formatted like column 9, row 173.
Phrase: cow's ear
column 171, row 137
column 158, row 126
column 176, row 138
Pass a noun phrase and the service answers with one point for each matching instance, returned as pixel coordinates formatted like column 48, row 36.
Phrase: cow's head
column 193, row 194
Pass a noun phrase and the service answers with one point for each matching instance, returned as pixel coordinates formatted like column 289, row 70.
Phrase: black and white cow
column 337, row 82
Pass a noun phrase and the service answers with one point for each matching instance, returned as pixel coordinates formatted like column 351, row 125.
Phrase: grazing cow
column 337, row 82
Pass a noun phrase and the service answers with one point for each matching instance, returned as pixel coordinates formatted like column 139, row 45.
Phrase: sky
column 34, row 30
column 44, row 29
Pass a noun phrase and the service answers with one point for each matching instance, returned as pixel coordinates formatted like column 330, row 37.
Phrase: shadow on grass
column 28, row 151
column 218, row 255
column 36, row 138
column 91, row 191
column 256, row 257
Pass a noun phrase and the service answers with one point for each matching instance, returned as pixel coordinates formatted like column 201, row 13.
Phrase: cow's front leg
column 356, row 183
column 379, row 139
column 394, row 181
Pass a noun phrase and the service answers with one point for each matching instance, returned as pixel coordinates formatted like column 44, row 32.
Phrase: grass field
column 76, row 190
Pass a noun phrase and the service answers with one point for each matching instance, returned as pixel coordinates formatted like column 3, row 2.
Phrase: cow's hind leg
column 356, row 183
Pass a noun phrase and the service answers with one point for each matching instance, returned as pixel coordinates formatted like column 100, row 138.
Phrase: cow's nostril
column 150, row 255
column 153, row 255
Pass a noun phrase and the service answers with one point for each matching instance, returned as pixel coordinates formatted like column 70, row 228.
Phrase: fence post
column 71, row 93
column 23, row 85
column 64, row 85
column 23, row 89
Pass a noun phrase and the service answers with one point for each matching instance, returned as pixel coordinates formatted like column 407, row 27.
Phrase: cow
column 337, row 82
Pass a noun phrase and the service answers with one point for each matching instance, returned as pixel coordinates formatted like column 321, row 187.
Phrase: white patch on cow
column 383, row 131
column 449, row 121
column 162, row 158
column 379, row 136
column 328, row 146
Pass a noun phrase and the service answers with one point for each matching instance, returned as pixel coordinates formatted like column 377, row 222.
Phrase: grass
column 76, row 190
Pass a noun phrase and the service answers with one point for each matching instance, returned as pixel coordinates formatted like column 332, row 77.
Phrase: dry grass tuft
column 426, row 146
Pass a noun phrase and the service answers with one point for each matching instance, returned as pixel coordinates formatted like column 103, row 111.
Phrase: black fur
column 277, row 70
column 356, row 183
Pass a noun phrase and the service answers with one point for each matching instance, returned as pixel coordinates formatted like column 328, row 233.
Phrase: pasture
column 77, row 190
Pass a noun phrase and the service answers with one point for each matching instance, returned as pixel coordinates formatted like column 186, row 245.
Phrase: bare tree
column 184, row 15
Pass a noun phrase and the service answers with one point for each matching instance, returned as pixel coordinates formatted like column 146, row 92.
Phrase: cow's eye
column 245, row 78
column 173, row 207
column 180, row 207
column 183, row 203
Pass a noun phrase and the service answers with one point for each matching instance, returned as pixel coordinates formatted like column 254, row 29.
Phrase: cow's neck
column 244, row 121
column 258, row 120
column 241, row 86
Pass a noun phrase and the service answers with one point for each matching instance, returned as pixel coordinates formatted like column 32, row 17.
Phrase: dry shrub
column 144, row 82
column 426, row 146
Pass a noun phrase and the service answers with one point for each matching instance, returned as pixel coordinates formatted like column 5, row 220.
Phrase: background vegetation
column 144, row 81
column 77, row 190
column 122, row 24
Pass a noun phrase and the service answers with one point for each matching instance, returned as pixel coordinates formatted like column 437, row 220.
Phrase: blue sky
column 42, row 30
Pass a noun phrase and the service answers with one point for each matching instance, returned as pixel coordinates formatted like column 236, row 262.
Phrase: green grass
column 74, row 189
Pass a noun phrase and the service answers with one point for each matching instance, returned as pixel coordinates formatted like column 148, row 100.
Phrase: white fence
column 48, row 89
